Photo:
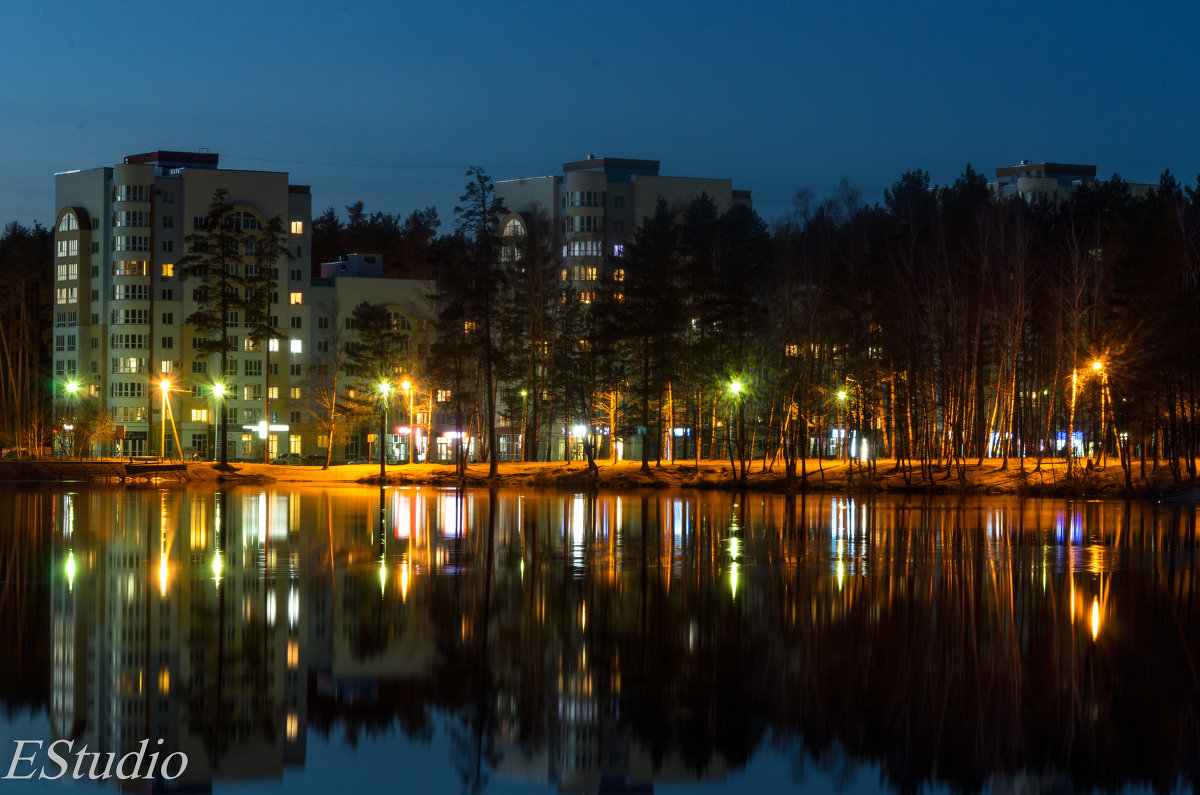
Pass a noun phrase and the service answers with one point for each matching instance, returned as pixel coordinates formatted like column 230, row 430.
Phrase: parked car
column 289, row 459
column 314, row 460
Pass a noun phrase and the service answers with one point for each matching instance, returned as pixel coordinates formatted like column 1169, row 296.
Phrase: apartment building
column 121, row 302
column 1050, row 183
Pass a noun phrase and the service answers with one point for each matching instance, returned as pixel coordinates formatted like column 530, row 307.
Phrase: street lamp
column 841, row 397
column 407, row 386
column 735, row 389
column 384, row 388
column 218, row 392
column 165, row 387
column 72, row 389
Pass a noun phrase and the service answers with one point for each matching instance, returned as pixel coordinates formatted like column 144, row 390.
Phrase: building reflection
column 620, row 642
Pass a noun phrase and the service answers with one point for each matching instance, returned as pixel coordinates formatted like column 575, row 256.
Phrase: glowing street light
column 218, row 392
column 165, row 387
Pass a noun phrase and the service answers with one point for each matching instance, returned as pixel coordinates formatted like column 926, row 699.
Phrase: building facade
column 120, row 337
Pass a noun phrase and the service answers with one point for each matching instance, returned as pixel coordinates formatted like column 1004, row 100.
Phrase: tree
column 479, row 217
column 374, row 358
column 270, row 246
column 214, row 257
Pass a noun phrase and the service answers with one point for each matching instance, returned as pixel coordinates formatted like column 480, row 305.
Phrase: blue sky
column 389, row 103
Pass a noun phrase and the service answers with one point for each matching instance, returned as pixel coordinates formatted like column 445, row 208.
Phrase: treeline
column 940, row 326
column 26, row 334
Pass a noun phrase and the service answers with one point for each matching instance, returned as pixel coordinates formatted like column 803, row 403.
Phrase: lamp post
column 1098, row 368
column 384, row 388
column 164, row 387
column 841, row 398
column 407, row 386
column 218, row 392
column 72, row 390
column 735, row 389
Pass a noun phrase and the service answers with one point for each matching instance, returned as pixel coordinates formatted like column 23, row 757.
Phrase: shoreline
column 990, row 477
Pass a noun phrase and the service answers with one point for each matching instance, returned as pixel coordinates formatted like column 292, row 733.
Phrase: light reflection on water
column 641, row 638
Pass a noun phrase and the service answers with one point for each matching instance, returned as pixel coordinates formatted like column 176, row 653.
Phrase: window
column 66, row 295
column 297, row 227
column 68, row 248
column 131, row 292
column 168, row 196
column 619, row 250
column 127, row 341
column 791, row 350
column 273, row 369
column 95, row 343
column 585, row 273
column 232, row 319
column 168, row 294
column 131, row 268
column 252, row 392
column 166, row 366
column 618, row 201
column 199, row 368
column 231, row 367
column 67, row 272
column 294, row 274
column 96, row 250
column 129, row 413
column 69, row 223
column 323, row 346
column 296, row 298
column 199, row 415
column 586, row 198
column 273, row 345
column 168, row 246
column 618, row 274
column 273, row 393
column 131, row 193
column 131, row 364
column 199, row 222
column 168, row 318
column 586, row 297
column 253, row 367
column 168, row 222
column 582, row 248
column 443, row 396
column 131, row 243
column 323, row 322
column 168, row 270
column 127, row 389
column 131, row 218
column 294, row 369
column 582, row 223
column 294, row 393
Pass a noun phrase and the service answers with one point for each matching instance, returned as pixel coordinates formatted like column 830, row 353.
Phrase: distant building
column 1050, row 183
column 597, row 203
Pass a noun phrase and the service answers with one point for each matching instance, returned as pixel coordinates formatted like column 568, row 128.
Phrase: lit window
column 618, row 274
column 619, row 250
column 199, row 415
column 297, row 346
column 273, row 345
column 587, row 297
column 297, row 227
column 294, row 393
column 293, row 726
column 168, row 269
column 468, row 326
column 293, row 653
column 296, row 298
column 792, row 350
column 166, row 365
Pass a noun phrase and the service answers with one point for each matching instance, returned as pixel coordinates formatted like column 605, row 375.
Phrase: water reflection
column 632, row 639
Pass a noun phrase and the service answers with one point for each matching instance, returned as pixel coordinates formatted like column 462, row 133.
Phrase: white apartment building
column 120, row 304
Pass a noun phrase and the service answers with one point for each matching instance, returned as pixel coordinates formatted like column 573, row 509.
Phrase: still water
column 428, row 640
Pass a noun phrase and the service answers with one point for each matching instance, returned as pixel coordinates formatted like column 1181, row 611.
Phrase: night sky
column 389, row 103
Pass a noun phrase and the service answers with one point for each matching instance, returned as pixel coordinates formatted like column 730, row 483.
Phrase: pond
column 307, row 640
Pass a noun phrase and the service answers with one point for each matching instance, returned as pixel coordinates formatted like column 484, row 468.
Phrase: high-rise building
column 597, row 204
column 121, row 343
